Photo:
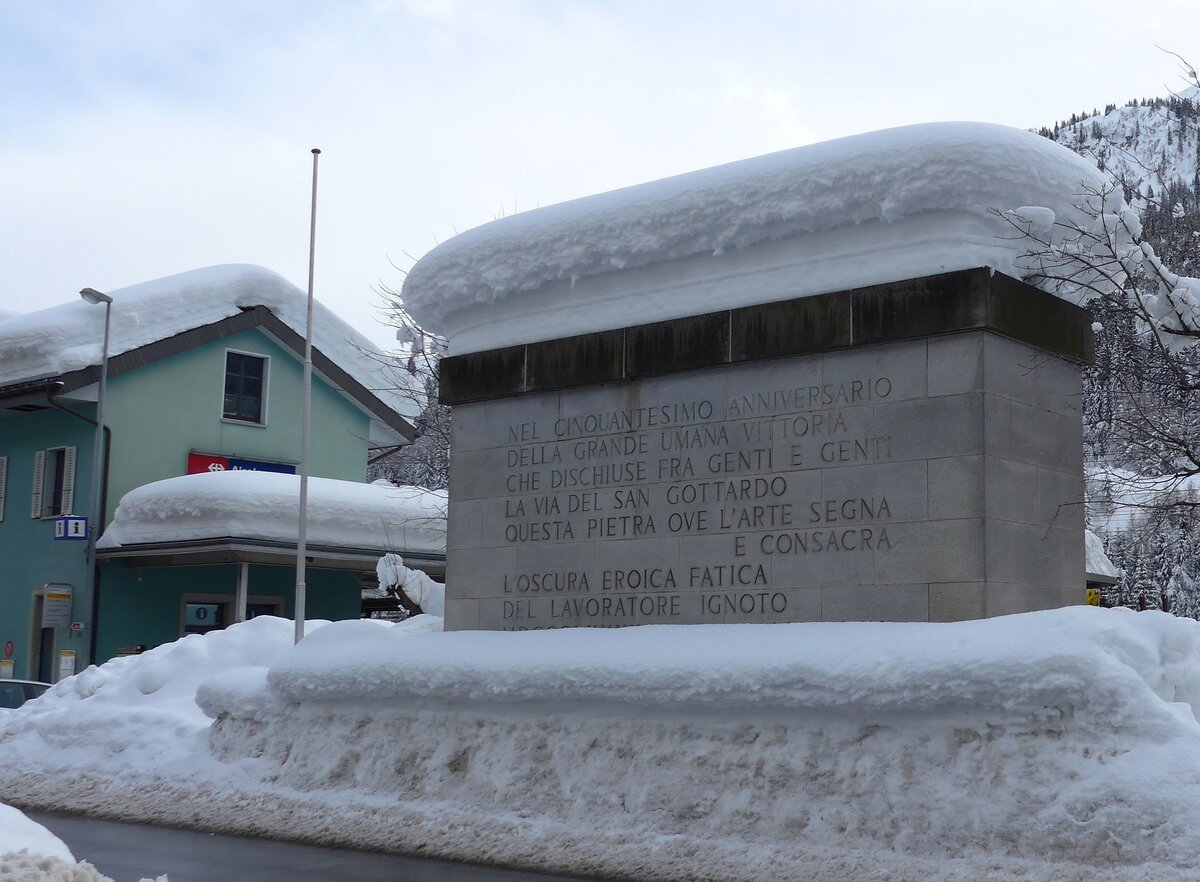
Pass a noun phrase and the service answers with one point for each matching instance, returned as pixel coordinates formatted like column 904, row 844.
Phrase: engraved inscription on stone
column 710, row 497
column 926, row 480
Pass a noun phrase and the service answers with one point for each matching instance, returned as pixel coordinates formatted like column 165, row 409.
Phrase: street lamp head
column 91, row 295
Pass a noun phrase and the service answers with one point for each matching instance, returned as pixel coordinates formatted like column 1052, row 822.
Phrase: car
column 14, row 693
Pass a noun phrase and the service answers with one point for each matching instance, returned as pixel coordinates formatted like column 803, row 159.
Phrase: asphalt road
column 129, row 852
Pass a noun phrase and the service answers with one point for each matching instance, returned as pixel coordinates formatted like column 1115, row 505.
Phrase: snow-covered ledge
column 868, row 209
column 265, row 506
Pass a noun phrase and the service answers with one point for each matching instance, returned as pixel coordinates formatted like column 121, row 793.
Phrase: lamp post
column 306, row 419
column 91, row 295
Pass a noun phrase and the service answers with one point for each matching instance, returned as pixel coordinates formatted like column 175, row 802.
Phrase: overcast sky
column 140, row 138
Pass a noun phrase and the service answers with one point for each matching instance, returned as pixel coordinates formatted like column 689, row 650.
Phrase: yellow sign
column 66, row 664
column 1093, row 597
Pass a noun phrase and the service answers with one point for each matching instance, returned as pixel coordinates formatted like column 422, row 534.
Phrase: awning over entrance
column 227, row 550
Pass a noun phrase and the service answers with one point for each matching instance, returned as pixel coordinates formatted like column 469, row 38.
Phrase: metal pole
column 301, row 544
column 98, row 462
column 243, row 592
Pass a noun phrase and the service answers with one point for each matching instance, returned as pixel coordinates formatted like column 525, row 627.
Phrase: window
column 202, row 613
column 245, row 380
column 53, row 482
column 200, row 618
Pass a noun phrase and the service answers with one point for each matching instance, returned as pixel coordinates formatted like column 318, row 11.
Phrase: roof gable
column 59, row 349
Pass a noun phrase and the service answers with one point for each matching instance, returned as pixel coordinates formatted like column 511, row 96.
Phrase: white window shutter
column 39, row 472
column 68, row 497
column 3, row 483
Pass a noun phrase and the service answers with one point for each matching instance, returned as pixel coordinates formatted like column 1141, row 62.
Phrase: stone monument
column 909, row 449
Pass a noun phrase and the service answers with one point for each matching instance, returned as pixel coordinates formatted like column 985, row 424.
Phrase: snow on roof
column 266, row 505
column 69, row 336
column 873, row 182
column 1125, row 500
column 1098, row 563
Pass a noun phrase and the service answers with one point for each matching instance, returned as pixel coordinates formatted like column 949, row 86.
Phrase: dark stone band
column 965, row 300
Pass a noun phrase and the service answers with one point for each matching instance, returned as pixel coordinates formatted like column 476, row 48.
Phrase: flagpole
column 301, row 544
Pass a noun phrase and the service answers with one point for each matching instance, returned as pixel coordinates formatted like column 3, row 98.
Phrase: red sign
column 202, row 462
column 9, row 649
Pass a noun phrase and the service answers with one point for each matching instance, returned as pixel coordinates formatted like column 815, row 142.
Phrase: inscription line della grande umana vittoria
column 697, row 432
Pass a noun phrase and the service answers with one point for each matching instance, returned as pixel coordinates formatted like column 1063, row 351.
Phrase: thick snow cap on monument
column 266, row 506
column 69, row 336
column 883, row 206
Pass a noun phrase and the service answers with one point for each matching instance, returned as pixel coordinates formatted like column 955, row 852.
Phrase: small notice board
column 56, row 607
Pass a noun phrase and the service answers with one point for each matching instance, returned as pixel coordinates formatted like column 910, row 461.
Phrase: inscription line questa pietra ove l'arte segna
column 700, row 467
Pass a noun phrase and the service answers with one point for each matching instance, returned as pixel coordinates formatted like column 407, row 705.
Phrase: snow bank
column 266, row 505
column 18, row 832
column 1059, row 745
column 1015, row 666
column 69, row 336
column 871, row 208
column 737, row 751
column 31, row 853
column 137, row 710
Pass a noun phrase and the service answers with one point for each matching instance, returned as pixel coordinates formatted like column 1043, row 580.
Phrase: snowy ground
column 1061, row 745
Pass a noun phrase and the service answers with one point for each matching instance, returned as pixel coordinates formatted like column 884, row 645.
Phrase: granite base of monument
column 907, row 452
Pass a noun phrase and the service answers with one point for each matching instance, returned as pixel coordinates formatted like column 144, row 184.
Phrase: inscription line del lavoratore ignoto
column 908, row 451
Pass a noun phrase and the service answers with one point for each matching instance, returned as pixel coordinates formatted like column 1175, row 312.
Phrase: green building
column 204, row 374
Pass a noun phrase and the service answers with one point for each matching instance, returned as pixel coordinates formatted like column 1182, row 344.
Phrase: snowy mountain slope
column 1144, row 146
column 1150, row 149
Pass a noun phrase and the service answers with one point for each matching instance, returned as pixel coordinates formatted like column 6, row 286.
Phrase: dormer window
column 245, row 384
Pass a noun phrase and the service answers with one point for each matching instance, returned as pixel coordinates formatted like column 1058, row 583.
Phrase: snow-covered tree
column 1144, row 407
column 413, row 590
column 426, row 461
column 1133, row 260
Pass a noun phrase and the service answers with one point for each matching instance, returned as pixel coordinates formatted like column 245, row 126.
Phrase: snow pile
column 17, row 832
column 1013, row 665
column 862, row 210
column 31, row 853
column 266, row 505
column 68, row 337
column 138, row 709
column 1057, row 745
column 706, row 750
